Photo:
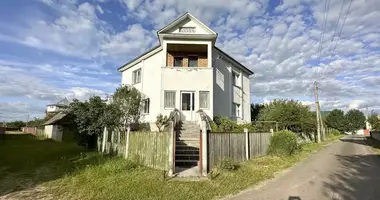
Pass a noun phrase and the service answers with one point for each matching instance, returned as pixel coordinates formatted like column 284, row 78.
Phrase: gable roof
column 139, row 58
column 182, row 18
column 235, row 61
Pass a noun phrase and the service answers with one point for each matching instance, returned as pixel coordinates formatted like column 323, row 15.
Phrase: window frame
column 208, row 100
column 134, row 76
column 165, row 95
column 144, row 103
column 235, row 79
column 235, row 110
column 194, row 56
column 174, row 58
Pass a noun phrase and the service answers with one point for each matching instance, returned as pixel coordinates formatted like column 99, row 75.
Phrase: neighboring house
column 55, row 108
column 186, row 71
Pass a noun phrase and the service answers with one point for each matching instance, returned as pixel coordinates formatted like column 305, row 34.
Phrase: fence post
column 246, row 143
column 105, row 137
column 204, row 149
column 171, row 149
column 127, row 141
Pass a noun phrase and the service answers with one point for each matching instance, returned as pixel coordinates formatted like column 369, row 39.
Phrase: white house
column 54, row 108
column 188, row 72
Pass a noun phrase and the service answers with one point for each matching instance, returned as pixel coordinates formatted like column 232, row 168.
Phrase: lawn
column 67, row 171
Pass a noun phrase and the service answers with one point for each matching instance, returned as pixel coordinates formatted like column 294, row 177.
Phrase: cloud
column 280, row 44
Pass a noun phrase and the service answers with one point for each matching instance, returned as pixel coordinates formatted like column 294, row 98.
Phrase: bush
column 226, row 164
column 335, row 132
column 283, row 143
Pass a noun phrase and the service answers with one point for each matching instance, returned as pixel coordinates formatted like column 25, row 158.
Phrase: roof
column 56, row 118
column 169, row 26
column 63, row 102
column 183, row 17
column 138, row 57
column 235, row 61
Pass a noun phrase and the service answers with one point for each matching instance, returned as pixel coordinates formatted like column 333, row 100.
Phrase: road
column 347, row 169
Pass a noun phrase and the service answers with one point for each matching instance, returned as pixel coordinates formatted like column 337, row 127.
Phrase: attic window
column 187, row 29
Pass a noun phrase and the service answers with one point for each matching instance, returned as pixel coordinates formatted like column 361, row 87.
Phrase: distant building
column 55, row 108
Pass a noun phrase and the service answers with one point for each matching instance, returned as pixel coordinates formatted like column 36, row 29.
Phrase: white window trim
column 143, row 106
column 208, row 100
column 134, row 80
column 175, row 97
column 236, row 76
column 237, row 112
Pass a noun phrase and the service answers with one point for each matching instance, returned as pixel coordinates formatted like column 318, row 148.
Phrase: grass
column 67, row 174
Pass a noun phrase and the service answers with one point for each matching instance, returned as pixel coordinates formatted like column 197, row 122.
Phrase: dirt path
column 345, row 170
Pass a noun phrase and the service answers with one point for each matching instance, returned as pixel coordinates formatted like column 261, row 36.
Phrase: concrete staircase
column 187, row 147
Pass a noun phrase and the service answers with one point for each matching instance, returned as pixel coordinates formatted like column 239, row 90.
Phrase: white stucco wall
column 150, row 83
column 225, row 93
column 190, row 80
column 54, row 132
column 51, row 109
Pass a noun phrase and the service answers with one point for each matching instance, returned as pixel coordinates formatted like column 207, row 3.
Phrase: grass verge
column 91, row 176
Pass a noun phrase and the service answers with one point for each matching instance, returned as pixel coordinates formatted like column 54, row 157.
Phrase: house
column 52, row 109
column 186, row 71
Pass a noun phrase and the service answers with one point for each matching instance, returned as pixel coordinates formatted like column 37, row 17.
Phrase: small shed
column 55, row 125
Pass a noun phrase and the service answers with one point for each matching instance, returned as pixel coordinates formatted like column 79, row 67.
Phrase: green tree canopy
column 255, row 110
column 290, row 114
column 16, row 124
column 374, row 121
column 335, row 119
column 355, row 120
column 128, row 101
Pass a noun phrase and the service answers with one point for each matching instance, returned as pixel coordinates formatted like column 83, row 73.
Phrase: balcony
column 187, row 56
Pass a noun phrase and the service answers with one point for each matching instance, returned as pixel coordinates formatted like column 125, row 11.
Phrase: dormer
column 187, row 27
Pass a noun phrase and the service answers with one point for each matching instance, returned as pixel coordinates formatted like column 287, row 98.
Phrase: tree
column 335, row 119
column 128, row 101
column 355, row 120
column 291, row 115
column 374, row 121
column 89, row 117
column 16, row 124
column 255, row 110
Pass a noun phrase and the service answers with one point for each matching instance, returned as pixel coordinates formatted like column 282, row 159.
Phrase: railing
column 204, row 117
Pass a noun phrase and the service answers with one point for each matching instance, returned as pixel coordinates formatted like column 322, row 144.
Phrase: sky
column 51, row 49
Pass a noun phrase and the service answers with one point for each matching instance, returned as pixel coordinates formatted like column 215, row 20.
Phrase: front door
column 187, row 106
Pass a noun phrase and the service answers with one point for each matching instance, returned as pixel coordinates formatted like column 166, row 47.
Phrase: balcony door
column 187, row 105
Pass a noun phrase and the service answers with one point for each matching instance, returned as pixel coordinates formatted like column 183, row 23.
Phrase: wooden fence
column 234, row 146
column 150, row 149
column 146, row 148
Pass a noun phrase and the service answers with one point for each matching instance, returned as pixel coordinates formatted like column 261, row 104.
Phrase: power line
column 325, row 16
column 337, row 24
column 340, row 33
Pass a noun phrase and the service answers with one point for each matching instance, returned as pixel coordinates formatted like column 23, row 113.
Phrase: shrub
column 161, row 122
column 335, row 132
column 283, row 143
column 226, row 164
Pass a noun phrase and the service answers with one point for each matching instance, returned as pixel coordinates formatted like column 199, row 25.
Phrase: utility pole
column 317, row 112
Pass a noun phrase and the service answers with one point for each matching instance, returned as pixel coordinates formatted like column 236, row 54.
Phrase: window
column 204, row 99
column 145, row 106
column 235, row 79
column 178, row 61
column 193, row 61
column 187, row 29
column 169, row 99
column 136, row 76
column 235, row 110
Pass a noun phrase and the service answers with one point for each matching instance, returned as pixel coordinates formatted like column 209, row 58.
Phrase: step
column 186, row 151
column 191, row 158
column 187, row 138
column 186, row 148
column 187, row 143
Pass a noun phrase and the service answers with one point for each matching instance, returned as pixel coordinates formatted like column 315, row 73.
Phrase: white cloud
column 100, row 10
